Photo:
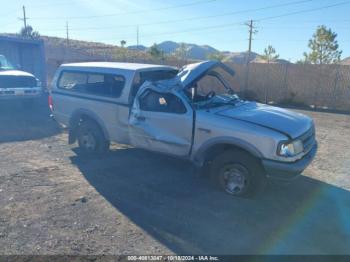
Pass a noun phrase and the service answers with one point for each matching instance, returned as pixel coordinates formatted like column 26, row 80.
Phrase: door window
column 152, row 76
column 161, row 102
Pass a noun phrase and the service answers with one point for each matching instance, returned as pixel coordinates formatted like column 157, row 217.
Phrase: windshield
column 5, row 64
column 212, row 90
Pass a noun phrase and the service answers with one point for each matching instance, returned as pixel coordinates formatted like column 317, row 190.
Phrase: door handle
column 204, row 130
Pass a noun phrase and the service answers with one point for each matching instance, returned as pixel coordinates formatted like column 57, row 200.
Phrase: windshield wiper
column 212, row 103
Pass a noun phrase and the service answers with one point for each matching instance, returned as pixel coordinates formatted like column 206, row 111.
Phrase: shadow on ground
column 20, row 122
column 183, row 211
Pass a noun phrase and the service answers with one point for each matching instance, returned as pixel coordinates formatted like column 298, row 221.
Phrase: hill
column 202, row 52
column 192, row 51
column 58, row 51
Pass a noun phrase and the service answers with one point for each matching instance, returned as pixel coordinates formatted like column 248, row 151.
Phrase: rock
column 81, row 199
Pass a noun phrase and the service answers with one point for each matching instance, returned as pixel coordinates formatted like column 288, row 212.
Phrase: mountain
column 202, row 52
column 239, row 57
column 137, row 47
column 193, row 51
column 168, row 47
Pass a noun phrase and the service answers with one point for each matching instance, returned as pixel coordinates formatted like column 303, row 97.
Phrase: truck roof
column 115, row 65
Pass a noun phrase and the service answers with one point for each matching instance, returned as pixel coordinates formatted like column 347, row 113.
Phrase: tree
column 270, row 54
column 28, row 32
column 216, row 56
column 155, row 52
column 122, row 43
column 181, row 52
column 324, row 47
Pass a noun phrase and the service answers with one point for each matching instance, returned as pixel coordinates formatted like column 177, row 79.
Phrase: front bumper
column 20, row 93
column 289, row 171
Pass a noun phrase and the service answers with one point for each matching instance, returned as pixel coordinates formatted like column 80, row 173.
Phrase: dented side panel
column 164, row 132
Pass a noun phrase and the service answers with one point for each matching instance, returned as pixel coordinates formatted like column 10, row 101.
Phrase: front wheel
column 237, row 173
column 91, row 139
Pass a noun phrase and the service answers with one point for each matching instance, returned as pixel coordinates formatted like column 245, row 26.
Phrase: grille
column 17, row 81
column 308, row 139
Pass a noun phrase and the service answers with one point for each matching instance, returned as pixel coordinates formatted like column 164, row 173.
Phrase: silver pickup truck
column 190, row 113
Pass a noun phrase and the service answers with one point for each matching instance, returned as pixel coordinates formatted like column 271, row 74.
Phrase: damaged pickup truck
column 190, row 113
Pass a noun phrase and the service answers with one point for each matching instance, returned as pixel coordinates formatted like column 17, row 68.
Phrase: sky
column 287, row 25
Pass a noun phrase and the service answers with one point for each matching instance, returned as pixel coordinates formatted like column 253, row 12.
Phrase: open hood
column 191, row 73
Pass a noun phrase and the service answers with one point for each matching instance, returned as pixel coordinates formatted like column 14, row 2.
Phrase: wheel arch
column 212, row 147
column 81, row 115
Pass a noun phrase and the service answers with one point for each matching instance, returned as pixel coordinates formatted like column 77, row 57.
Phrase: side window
column 161, row 102
column 153, row 75
column 90, row 83
column 73, row 81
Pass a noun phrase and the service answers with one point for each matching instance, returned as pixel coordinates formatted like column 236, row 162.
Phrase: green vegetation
column 324, row 47
column 270, row 54
column 181, row 52
column 216, row 56
column 28, row 32
column 155, row 52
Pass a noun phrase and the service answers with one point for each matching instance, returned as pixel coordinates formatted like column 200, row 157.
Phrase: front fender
column 199, row 155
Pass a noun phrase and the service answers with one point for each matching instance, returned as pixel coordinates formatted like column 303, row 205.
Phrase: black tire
column 91, row 139
column 237, row 173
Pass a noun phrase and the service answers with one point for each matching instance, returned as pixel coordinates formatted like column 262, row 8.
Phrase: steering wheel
column 210, row 95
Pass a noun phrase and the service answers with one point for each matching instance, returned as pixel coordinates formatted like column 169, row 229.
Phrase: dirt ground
column 134, row 202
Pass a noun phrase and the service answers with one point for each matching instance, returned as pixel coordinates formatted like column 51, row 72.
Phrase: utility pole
column 24, row 18
column 137, row 36
column 67, row 33
column 252, row 31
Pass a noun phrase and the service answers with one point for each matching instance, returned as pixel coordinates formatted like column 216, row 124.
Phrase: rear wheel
column 91, row 139
column 237, row 173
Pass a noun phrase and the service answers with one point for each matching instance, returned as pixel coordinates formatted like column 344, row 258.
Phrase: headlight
column 290, row 149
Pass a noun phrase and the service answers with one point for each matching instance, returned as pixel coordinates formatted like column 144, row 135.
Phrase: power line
column 193, row 18
column 242, row 22
column 10, row 13
column 127, row 13
column 11, row 23
column 60, row 3
column 255, row 20
column 303, row 11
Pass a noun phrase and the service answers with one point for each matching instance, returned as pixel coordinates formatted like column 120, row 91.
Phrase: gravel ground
column 135, row 202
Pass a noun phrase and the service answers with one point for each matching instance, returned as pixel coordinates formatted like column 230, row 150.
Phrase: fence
column 319, row 86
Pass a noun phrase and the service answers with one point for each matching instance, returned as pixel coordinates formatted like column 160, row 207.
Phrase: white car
column 190, row 113
column 16, row 84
